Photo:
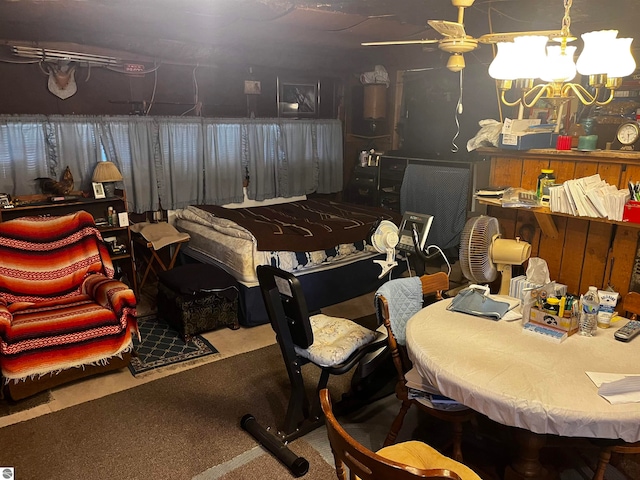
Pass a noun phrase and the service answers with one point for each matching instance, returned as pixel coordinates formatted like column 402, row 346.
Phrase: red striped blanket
column 59, row 304
column 43, row 258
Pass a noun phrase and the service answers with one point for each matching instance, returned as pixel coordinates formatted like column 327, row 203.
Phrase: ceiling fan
column 455, row 40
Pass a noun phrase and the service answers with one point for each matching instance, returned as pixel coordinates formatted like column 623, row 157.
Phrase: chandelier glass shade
column 605, row 59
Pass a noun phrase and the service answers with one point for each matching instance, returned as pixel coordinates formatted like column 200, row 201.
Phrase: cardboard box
column 528, row 140
column 565, row 324
column 522, row 135
column 631, row 212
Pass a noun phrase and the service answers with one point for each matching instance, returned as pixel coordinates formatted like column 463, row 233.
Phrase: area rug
column 161, row 346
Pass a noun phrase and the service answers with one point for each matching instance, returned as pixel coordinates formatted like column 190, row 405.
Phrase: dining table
column 523, row 379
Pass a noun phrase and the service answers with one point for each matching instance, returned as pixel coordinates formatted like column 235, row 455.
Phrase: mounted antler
column 62, row 82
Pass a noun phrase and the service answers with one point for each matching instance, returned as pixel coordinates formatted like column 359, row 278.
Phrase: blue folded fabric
column 404, row 296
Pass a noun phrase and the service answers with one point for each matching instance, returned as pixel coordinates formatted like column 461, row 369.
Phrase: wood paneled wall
column 584, row 251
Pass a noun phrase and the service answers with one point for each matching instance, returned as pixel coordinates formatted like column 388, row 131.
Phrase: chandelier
column 605, row 59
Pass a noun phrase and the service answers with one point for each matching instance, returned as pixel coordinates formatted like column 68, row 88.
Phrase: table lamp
column 107, row 173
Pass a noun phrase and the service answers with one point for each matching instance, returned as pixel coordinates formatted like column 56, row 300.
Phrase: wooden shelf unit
column 580, row 251
column 40, row 206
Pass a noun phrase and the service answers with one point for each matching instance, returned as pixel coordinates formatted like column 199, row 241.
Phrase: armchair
column 62, row 315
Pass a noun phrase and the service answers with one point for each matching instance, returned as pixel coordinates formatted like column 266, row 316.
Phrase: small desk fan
column 384, row 239
column 483, row 253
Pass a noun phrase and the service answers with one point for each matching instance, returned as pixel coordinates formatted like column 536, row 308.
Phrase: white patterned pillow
column 334, row 340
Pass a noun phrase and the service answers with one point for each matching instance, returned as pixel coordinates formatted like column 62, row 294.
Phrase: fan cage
column 475, row 249
column 380, row 238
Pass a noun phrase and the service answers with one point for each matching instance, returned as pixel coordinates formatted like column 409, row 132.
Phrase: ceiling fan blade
column 509, row 36
column 447, row 29
column 399, row 42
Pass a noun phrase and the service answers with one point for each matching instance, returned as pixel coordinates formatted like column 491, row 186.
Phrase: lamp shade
column 106, row 172
column 595, row 55
column 559, row 66
column 621, row 61
column 501, row 67
column 530, row 57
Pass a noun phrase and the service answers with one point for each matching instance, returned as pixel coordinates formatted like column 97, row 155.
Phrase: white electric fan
column 384, row 239
column 483, row 253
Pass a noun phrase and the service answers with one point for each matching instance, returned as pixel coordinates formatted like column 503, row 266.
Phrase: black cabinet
column 363, row 186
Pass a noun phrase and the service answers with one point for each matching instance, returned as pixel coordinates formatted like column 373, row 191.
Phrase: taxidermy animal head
column 62, row 82
column 50, row 187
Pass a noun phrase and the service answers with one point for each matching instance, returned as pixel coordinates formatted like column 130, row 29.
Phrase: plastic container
column 589, row 317
column 545, row 179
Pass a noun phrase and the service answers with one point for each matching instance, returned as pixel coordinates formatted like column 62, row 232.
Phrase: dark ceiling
column 300, row 35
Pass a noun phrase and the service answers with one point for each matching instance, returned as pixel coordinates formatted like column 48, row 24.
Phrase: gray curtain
column 76, row 141
column 329, row 161
column 181, row 161
column 23, row 154
column 299, row 175
column 134, row 148
column 172, row 162
column 262, row 157
column 223, row 167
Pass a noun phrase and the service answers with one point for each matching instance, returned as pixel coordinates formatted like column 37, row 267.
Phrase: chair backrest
column 286, row 305
column 359, row 460
column 46, row 258
column 434, row 283
column 631, row 304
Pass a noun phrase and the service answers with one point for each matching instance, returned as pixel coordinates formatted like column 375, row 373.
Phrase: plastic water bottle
column 589, row 316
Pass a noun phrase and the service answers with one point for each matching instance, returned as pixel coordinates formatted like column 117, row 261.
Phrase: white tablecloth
column 522, row 380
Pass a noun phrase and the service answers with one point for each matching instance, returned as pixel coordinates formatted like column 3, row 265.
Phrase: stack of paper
column 616, row 387
column 588, row 197
column 427, row 394
column 519, row 287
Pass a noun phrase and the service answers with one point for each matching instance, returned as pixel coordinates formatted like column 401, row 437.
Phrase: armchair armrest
column 110, row 293
column 6, row 317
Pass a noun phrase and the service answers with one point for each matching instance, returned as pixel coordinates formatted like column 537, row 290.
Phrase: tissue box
column 526, row 141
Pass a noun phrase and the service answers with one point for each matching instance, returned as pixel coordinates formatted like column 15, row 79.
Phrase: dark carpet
column 9, row 407
column 161, row 346
column 174, row 427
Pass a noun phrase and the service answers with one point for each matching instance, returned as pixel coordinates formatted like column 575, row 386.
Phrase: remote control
column 628, row 332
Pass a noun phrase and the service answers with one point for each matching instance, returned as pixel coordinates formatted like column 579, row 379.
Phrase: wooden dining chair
column 432, row 284
column 403, row 461
column 630, row 305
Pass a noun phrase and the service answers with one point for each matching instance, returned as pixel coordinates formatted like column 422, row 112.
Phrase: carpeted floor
column 186, row 426
column 175, row 427
column 9, row 407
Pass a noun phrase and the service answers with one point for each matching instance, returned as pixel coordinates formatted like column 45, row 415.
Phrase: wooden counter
column 579, row 251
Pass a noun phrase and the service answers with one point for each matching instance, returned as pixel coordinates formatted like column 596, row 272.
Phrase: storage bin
column 196, row 298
